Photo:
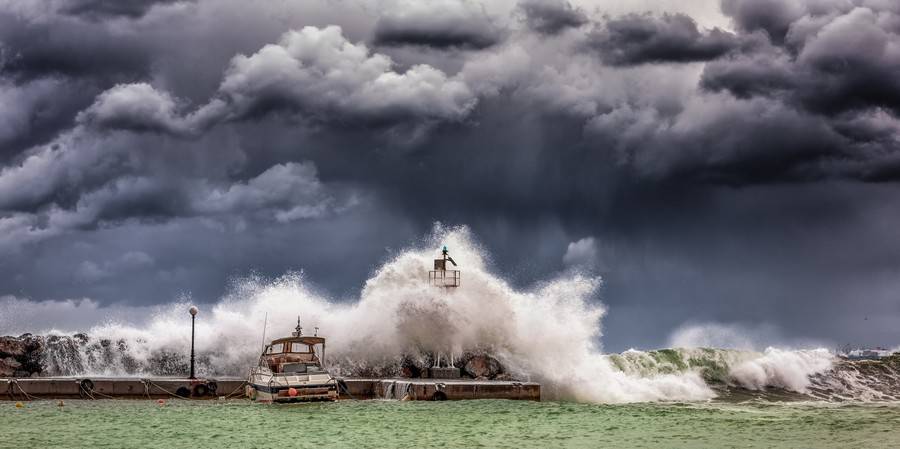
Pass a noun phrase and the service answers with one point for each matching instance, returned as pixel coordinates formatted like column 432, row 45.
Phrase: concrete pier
column 124, row 388
column 439, row 389
column 232, row 387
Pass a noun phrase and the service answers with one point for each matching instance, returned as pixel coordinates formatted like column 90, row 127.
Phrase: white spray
column 549, row 333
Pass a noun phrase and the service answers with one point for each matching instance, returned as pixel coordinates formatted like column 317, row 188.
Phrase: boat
column 290, row 370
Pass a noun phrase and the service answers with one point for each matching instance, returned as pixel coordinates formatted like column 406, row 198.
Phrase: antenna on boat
column 317, row 332
column 298, row 330
column 265, row 321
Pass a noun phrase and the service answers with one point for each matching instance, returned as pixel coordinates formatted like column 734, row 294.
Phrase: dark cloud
column 772, row 16
column 48, row 46
column 98, row 9
column 707, row 175
column 35, row 112
column 444, row 25
column 552, row 16
column 640, row 39
column 135, row 107
column 848, row 64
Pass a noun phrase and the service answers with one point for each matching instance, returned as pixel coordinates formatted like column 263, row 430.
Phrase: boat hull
column 302, row 393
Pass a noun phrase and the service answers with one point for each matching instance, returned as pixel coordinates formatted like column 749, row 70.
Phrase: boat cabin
column 294, row 355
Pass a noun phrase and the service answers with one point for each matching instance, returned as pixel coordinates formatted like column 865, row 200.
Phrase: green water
column 470, row 424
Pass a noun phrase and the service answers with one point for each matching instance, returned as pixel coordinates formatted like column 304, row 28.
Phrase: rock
column 12, row 346
column 506, row 377
column 483, row 366
column 9, row 366
column 412, row 366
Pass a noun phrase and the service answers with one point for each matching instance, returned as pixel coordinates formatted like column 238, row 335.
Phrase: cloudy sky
column 732, row 162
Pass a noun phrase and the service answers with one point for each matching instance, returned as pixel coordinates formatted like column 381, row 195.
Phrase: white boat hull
column 286, row 389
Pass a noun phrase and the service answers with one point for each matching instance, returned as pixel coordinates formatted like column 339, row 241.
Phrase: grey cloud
column 319, row 72
column 289, row 192
column 772, row 16
column 749, row 75
column 552, row 16
column 754, row 182
column 582, row 254
column 639, row 39
column 51, row 46
column 36, row 111
column 314, row 73
column 720, row 140
column 99, row 9
column 91, row 271
column 58, row 172
column 848, row 63
column 442, row 25
column 135, row 107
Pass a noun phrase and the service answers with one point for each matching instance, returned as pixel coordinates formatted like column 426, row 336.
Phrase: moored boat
column 290, row 370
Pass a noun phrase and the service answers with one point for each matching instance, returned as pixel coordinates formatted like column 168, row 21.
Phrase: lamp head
column 193, row 310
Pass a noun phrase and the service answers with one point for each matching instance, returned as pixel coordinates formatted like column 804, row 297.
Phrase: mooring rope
column 343, row 386
column 14, row 382
column 172, row 394
column 244, row 383
column 12, row 385
column 102, row 395
column 146, row 388
column 82, row 389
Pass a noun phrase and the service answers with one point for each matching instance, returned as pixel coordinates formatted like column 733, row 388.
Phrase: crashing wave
column 549, row 333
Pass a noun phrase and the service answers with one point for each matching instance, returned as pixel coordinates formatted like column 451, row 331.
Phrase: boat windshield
column 302, row 348
column 300, row 368
column 277, row 348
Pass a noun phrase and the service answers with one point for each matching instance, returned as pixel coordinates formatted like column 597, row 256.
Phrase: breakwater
column 225, row 388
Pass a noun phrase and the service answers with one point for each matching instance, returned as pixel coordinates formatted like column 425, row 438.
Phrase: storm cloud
column 439, row 24
column 733, row 165
column 552, row 16
column 638, row 39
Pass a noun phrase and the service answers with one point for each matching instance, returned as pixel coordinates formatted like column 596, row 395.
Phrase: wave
column 549, row 333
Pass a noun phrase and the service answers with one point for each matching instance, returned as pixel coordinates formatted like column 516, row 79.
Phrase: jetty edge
column 418, row 389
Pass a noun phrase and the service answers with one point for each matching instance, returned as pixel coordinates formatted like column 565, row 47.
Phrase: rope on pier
column 241, row 386
column 84, row 390
column 343, row 386
column 146, row 385
column 170, row 393
column 15, row 383
column 102, row 395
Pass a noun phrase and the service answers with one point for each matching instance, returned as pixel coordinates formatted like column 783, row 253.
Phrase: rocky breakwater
column 62, row 355
column 480, row 365
column 21, row 356
column 868, row 380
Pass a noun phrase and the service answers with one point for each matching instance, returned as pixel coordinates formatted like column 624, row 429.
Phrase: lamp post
column 193, row 310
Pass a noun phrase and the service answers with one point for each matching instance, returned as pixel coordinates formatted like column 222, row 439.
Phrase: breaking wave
column 549, row 333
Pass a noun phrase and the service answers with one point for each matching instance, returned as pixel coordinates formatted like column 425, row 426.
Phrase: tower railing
column 444, row 278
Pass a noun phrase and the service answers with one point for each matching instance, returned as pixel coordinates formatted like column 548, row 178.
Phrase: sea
column 463, row 424
column 706, row 391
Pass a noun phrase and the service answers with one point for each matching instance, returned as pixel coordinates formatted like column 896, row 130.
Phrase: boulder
column 411, row 366
column 506, row 377
column 8, row 367
column 12, row 346
column 483, row 366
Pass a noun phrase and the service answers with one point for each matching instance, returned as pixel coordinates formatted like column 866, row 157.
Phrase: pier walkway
column 35, row 388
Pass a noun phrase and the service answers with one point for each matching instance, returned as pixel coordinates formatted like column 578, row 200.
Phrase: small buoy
column 19, row 405
column 292, row 392
column 161, row 402
column 60, row 404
